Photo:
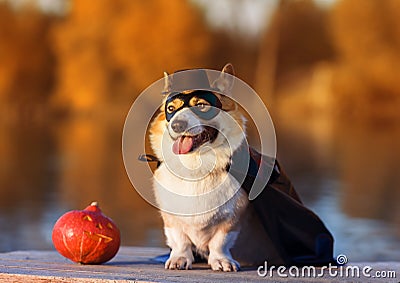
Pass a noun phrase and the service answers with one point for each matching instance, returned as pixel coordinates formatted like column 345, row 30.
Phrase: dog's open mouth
column 188, row 143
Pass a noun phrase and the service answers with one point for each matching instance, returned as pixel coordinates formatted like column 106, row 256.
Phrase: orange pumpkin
column 86, row 236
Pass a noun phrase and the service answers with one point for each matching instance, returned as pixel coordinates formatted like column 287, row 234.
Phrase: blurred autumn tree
column 296, row 39
column 105, row 54
column 110, row 51
column 303, row 37
column 26, row 61
column 367, row 37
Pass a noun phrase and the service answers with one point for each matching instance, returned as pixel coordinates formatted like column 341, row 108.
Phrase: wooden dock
column 137, row 264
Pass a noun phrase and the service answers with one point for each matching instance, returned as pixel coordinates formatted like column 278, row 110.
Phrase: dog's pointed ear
column 224, row 83
column 167, row 83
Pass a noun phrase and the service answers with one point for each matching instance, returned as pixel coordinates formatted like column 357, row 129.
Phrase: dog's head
column 194, row 122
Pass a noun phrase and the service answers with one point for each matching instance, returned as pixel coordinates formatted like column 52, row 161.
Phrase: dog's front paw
column 224, row 264
column 178, row 262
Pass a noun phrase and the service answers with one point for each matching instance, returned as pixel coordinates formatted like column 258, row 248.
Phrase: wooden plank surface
column 136, row 264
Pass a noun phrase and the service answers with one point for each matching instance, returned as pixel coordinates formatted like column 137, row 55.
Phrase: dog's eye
column 170, row 108
column 203, row 106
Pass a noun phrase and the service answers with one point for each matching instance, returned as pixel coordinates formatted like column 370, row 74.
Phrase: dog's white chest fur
column 213, row 196
column 200, row 227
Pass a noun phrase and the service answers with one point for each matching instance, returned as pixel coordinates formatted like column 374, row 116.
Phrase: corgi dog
column 193, row 137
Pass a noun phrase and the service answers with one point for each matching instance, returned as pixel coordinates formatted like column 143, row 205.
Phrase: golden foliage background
column 329, row 75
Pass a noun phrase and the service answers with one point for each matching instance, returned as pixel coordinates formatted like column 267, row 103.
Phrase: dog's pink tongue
column 182, row 145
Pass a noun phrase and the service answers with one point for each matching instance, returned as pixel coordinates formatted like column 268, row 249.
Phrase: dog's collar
column 149, row 158
column 255, row 165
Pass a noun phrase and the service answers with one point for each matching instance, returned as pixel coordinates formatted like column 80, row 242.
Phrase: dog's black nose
column 179, row 126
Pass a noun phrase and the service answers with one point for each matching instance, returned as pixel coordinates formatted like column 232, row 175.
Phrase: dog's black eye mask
column 205, row 104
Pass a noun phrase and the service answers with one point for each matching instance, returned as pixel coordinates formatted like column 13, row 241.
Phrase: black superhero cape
column 297, row 235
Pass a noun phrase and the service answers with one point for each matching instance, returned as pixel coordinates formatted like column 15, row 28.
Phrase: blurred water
column 347, row 174
column 48, row 169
